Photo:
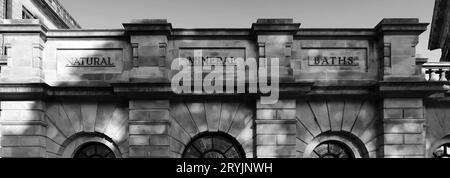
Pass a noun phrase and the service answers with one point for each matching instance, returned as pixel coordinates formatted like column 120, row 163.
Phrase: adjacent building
column 440, row 38
column 344, row 93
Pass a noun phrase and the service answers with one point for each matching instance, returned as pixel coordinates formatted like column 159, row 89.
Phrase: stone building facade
column 344, row 93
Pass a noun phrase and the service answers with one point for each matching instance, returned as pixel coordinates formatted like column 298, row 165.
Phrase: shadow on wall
column 71, row 116
column 192, row 118
column 438, row 125
column 339, row 118
column 47, row 128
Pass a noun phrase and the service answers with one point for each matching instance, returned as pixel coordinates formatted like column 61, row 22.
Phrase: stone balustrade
column 439, row 71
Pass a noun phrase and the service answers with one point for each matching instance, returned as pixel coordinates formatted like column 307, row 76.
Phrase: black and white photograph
column 259, row 83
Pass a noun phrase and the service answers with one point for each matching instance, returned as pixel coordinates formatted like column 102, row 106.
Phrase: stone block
column 149, row 115
column 151, row 140
column 320, row 110
column 373, row 145
column 404, row 150
column 351, row 112
column 22, row 105
column 281, row 104
column 22, row 152
column 139, row 140
column 303, row 134
column 284, row 114
column 197, row 111
column 149, row 74
column 159, row 140
column 178, row 133
column 393, row 157
column 393, row 113
column 266, row 114
column 23, row 141
column 403, row 103
column 22, row 115
column 149, row 151
column 306, row 118
column 286, row 140
column 414, row 157
column 373, row 154
column 148, row 129
column 336, row 112
column 403, row 127
column 414, row 139
column 18, row 130
column 275, row 129
column 52, row 147
column 300, row 146
column 227, row 115
column 414, row 113
column 154, row 104
column 88, row 115
column 176, row 146
column 266, row 140
column 243, row 134
column 393, row 139
column 248, row 146
column 250, row 155
column 276, row 151
column 212, row 111
column 104, row 115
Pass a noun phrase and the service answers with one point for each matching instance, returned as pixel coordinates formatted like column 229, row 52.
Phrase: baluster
column 447, row 74
column 441, row 73
column 444, row 75
column 434, row 75
column 428, row 74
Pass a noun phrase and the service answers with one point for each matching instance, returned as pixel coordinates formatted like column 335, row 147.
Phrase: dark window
column 332, row 149
column 213, row 146
column 26, row 14
column 94, row 150
column 442, row 152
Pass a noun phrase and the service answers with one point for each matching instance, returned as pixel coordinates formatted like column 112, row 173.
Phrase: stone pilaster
column 23, row 129
column 149, row 39
column 403, row 88
column 274, row 39
column 149, row 129
column 398, row 39
column 403, row 128
column 276, row 130
column 24, row 45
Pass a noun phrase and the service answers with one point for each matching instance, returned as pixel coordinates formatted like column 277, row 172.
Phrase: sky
column 107, row 14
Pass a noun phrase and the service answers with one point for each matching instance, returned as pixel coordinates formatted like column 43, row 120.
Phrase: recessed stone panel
column 212, row 56
column 89, row 61
column 334, row 59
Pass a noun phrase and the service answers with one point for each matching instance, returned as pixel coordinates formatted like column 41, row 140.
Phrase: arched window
column 442, row 152
column 94, row 150
column 336, row 145
column 332, row 149
column 213, row 145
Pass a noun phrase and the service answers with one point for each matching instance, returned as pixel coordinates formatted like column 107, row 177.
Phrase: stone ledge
column 23, row 123
column 403, row 26
column 275, row 26
column 291, row 121
column 418, row 89
column 162, row 122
